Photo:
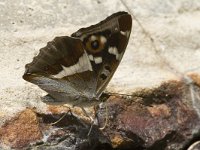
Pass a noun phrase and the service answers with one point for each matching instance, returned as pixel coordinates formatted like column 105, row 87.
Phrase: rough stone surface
column 21, row 130
column 163, row 48
column 156, row 119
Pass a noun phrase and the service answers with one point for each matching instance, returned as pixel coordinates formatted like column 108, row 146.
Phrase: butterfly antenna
column 117, row 94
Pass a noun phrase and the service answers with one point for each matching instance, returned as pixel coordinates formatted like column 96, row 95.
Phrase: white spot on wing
column 103, row 39
column 114, row 51
column 126, row 33
column 91, row 57
column 82, row 65
column 98, row 60
column 110, row 50
column 93, row 38
column 123, row 33
column 60, row 74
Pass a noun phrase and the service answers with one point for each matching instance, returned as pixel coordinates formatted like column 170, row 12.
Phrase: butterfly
column 76, row 69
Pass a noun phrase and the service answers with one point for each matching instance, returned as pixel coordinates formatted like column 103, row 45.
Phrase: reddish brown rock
column 161, row 110
column 156, row 119
column 160, row 119
column 117, row 140
column 21, row 130
column 57, row 109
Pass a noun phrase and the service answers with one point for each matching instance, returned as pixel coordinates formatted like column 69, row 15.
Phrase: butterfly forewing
column 105, row 44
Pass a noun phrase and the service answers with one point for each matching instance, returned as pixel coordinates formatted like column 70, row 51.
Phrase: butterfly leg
column 86, row 114
column 91, row 119
column 94, row 121
column 106, row 120
column 63, row 116
column 48, row 99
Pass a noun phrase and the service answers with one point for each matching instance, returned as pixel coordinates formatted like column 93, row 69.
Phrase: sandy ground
column 26, row 26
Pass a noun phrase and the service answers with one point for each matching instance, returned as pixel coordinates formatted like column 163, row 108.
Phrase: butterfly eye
column 95, row 44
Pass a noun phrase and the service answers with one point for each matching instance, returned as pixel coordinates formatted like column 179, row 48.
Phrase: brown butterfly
column 76, row 69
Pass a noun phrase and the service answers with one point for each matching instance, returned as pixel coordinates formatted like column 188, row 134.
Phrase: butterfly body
column 75, row 70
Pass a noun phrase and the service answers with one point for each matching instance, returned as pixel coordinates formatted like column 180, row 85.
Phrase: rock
column 161, row 118
column 21, row 130
column 160, row 72
column 33, row 130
